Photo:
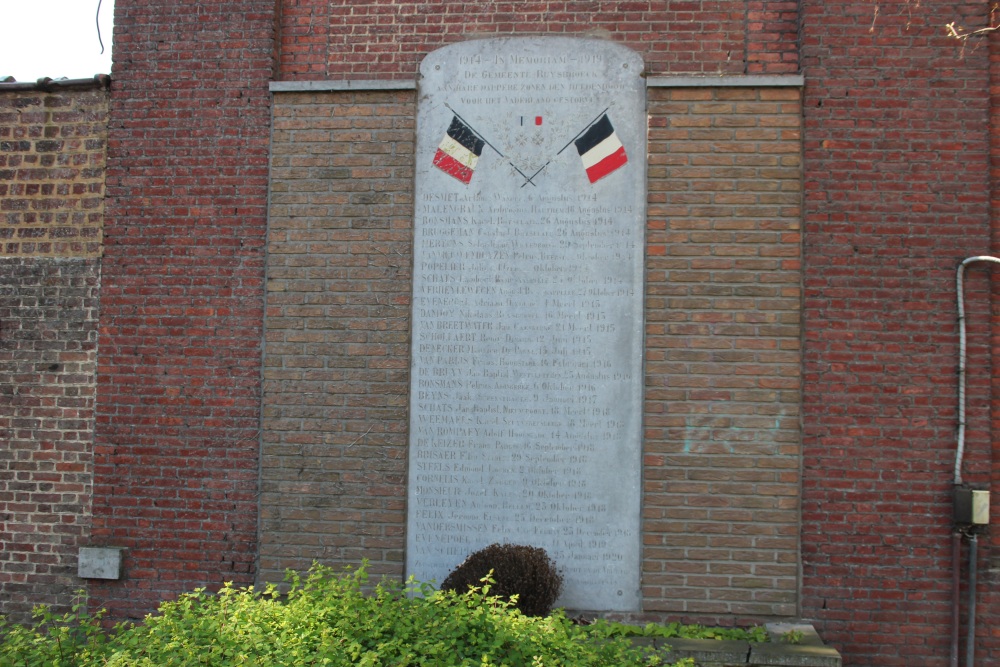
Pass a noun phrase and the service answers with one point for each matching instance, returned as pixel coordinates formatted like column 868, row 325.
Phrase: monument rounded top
column 522, row 53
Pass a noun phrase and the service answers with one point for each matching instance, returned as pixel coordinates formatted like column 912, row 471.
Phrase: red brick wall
column 181, row 298
column 896, row 178
column 896, row 195
column 177, row 375
column 991, row 596
column 370, row 39
column 52, row 152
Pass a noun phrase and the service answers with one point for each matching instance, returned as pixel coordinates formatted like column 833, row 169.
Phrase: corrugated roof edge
column 45, row 84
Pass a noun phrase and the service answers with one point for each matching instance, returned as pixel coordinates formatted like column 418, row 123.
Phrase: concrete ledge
column 706, row 652
column 335, row 86
column 749, row 81
column 794, row 655
column 809, row 636
column 808, row 652
column 48, row 85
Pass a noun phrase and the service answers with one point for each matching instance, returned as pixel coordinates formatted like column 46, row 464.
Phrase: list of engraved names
column 526, row 358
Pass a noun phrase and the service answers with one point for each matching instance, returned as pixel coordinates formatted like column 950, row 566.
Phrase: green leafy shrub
column 67, row 639
column 324, row 619
column 517, row 570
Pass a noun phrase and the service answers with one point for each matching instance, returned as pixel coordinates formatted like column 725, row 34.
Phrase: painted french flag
column 601, row 150
column 459, row 151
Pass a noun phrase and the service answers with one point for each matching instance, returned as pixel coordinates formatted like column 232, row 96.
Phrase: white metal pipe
column 960, row 296
column 959, row 455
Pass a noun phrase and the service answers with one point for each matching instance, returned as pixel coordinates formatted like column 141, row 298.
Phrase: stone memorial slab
column 526, row 396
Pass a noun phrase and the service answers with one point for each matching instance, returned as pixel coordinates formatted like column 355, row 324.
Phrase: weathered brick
column 366, row 371
column 182, row 299
column 48, row 354
column 689, row 256
column 62, row 197
column 883, row 231
column 371, row 40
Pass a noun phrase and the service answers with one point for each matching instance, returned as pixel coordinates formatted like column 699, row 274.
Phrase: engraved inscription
column 527, row 312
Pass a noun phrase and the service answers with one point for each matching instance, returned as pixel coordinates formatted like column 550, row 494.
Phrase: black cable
column 97, row 19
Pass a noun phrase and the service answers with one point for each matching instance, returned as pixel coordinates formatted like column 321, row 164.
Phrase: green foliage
column 53, row 641
column 602, row 628
column 324, row 620
column 792, row 637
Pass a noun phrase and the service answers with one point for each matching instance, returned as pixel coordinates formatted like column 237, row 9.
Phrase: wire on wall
column 97, row 20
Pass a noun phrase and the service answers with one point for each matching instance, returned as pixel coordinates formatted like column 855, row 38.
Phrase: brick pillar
column 182, row 297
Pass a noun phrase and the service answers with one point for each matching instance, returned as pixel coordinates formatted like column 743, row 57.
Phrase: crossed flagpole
column 568, row 144
column 463, row 153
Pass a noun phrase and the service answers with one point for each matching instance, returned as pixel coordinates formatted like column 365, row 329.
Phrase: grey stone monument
column 526, row 395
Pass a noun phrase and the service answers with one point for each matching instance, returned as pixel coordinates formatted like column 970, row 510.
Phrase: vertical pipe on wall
column 959, row 454
column 959, row 295
column 956, row 585
column 970, row 638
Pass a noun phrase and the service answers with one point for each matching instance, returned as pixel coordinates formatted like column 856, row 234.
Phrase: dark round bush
column 525, row 571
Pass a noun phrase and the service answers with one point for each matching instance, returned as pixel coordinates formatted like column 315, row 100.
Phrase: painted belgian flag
column 601, row 150
column 459, row 151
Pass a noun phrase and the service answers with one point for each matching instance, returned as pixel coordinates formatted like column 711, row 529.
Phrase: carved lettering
column 527, row 315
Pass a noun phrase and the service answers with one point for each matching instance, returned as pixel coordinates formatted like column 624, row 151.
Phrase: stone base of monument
column 809, row 651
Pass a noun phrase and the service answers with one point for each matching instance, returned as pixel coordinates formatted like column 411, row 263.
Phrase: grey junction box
column 972, row 506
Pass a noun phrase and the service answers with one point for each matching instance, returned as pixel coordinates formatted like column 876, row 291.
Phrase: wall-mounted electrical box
column 972, row 506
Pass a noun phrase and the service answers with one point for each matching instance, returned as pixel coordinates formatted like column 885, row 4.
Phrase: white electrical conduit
column 960, row 295
column 959, row 454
